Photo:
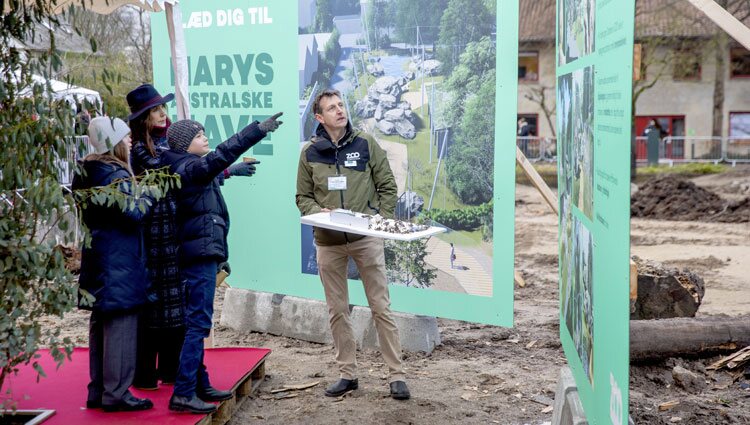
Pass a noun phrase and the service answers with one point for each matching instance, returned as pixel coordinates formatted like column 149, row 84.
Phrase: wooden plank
column 243, row 388
column 537, row 180
column 739, row 356
column 724, row 20
column 224, row 412
column 633, row 281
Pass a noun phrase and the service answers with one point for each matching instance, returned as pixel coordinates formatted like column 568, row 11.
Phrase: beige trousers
column 369, row 255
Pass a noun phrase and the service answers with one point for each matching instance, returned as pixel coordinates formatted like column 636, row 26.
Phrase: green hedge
column 468, row 218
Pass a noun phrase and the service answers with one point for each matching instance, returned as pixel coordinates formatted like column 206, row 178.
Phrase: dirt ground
column 485, row 374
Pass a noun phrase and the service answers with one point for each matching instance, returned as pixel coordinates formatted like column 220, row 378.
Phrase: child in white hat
column 113, row 269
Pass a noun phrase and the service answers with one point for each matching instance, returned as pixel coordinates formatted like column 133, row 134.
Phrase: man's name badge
column 350, row 163
column 337, row 183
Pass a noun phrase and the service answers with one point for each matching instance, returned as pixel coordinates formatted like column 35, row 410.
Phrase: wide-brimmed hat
column 143, row 98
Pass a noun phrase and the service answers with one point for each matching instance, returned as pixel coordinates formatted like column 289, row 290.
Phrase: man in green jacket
column 345, row 168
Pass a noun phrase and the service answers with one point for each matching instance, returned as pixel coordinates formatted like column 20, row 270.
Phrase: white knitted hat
column 105, row 133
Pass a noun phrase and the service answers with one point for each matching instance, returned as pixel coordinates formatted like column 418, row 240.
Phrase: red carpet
column 64, row 390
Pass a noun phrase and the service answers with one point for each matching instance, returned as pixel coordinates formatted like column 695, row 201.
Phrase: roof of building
column 322, row 39
column 665, row 18
column 66, row 39
column 307, row 44
column 346, row 18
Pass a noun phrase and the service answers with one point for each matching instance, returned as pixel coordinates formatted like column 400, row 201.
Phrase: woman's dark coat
column 113, row 267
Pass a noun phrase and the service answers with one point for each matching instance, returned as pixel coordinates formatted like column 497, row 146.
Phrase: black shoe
column 399, row 390
column 212, row 394
column 130, row 404
column 146, row 385
column 93, row 404
column 190, row 404
column 341, row 387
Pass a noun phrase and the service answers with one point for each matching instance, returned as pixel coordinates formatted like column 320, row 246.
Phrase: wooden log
column 687, row 336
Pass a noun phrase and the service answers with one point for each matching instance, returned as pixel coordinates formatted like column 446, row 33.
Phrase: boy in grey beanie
column 182, row 133
column 203, row 225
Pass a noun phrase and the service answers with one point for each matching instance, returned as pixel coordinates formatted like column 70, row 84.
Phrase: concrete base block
column 568, row 407
column 307, row 320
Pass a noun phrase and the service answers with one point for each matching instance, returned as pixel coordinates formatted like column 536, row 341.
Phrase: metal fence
column 737, row 149
column 697, row 149
column 77, row 148
column 538, row 148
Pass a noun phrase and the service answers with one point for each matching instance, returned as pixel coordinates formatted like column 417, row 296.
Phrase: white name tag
column 337, row 183
column 350, row 163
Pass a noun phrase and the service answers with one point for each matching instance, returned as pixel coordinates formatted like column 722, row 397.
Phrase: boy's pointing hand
column 271, row 124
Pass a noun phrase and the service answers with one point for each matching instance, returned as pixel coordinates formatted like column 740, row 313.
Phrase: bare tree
column 718, row 43
column 537, row 95
column 139, row 35
column 125, row 31
column 656, row 58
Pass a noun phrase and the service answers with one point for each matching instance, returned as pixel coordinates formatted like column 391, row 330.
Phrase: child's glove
column 271, row 124
column 245, row 169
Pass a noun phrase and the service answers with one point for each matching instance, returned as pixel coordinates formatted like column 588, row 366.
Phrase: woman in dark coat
column 113, row 282
column 161, row 328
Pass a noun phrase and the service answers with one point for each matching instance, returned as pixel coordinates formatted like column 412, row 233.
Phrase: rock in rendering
column 409, row 205
column 386, row 127
column 392, row 116
column 365, row 108
column 386, row 85
column 431, row 66
column 387, row 101
column 375, row 69
column 379, row 112
column 405, row 129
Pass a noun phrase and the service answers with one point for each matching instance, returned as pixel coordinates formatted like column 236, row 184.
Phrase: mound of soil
column 675, row 198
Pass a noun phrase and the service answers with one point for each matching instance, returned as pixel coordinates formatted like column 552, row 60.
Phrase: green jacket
column 370, row 185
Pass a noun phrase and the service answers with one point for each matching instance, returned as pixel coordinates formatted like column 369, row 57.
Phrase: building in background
column 677, row 53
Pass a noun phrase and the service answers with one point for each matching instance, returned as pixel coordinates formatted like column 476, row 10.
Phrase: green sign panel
column 439, row 97
column 594, row 92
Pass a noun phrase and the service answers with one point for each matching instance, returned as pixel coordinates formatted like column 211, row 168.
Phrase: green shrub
column 469, row 218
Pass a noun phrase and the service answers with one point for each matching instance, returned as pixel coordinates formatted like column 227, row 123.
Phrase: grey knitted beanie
column 181, row 133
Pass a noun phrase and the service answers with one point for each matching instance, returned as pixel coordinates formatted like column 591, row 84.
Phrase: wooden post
column 537, row 181
column 220, row 280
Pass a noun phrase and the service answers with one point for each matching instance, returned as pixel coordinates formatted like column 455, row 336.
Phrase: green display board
column 594, row 92
column 249, row 59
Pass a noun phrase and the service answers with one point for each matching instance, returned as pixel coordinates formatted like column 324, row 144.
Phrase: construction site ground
column 485, row 374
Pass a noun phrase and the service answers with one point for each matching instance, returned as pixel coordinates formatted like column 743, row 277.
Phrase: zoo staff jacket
column 370, row 185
